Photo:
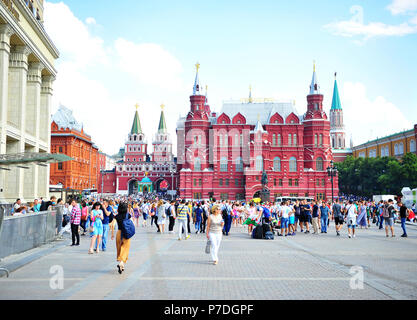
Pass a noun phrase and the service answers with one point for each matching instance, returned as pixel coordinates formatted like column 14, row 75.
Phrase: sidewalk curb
column 28, row 257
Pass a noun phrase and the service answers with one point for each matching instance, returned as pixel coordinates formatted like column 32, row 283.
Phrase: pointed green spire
column 336, row 99
column 136, row 127
column 162, row 123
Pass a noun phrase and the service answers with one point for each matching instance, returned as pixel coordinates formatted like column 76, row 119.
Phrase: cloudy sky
column 115, row 54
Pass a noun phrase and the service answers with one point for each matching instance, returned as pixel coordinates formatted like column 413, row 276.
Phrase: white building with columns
column 27, row 57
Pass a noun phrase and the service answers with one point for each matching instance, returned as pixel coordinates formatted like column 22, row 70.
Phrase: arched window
column 277, row 164
column 289, row 139
column 236, row 140
column 413, row 146
column 319, row 164
column 401, row 148
column 279, row 140
column 274, row 140
column 223, row 164
column 333, row 144
column 321, row 140
column 259, row 163
column 197, row 164
column 396, row 149
column 293, row 164
column 295, row 140
column 220, row 140
column 315, row 140
column 239, row 165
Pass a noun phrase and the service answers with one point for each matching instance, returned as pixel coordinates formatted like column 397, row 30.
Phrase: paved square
column 161, row 267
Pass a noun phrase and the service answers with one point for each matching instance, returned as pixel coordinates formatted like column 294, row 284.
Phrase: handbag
column 91, row 228
column 208, row 246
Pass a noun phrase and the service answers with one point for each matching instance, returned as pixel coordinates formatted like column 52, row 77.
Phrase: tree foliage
column 371, row 176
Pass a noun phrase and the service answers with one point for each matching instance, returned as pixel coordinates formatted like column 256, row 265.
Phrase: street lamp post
column 332, row 172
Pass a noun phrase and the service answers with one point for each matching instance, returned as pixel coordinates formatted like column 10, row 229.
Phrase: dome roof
column 146, row 180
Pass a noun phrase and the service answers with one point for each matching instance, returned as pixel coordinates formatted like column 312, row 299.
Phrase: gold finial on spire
column 250, row 94
column 162, row 107
column 293, row 102
column 137, row 106
column 314, row 65
column 197, row 66
column 259, row 117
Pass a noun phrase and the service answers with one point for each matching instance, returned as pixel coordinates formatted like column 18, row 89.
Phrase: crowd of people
column 101, row 218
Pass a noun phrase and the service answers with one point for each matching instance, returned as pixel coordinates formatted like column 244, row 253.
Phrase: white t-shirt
column 351, row 215
column 285, row 211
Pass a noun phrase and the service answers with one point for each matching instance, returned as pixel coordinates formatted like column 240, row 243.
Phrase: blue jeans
column 403, row 220
column 380, row 220
column 323, row 223
column 227, row 224
column 106, row 229
column 197, row 225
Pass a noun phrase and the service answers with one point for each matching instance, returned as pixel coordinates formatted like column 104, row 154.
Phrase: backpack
column 385, row 212
column 128, row 228
column 265, row 228
column 269, row 235
column 168, row 212
column 257, row 233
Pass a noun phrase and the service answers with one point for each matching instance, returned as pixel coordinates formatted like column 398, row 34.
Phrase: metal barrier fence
column 28, row 231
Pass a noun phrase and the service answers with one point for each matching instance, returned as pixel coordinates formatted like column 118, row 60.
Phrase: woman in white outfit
column 215, row 225
column 161, row 216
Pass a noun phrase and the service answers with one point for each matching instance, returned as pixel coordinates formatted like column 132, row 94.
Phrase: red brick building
column 68, row 137
column 223, row 156
column 140, row 172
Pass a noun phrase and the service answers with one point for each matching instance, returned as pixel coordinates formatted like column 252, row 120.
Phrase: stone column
column 18, row 68
column 44, row 132
column 5, row 33
column 32, row 115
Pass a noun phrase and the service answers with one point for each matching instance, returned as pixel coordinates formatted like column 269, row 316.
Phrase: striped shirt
column 76, row 215
column 182, row 212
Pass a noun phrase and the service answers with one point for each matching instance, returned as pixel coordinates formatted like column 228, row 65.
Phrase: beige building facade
column 27, row 72
column 395, row 145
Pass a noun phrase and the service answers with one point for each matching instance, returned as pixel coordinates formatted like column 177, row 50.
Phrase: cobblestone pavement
column 304, row 266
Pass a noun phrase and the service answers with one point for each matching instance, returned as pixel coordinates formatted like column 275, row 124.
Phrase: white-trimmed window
column 259, row 163
column 319, row 164
column 413, row 145
column 223, row 164
column 197, row 164
column 277, row 164
column 239, row 165
column 293, row 164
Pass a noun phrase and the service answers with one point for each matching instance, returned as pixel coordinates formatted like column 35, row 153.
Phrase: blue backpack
column 128, row 228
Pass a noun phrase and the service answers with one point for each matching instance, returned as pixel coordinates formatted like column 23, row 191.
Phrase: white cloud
column 402, row 6
column 367, row 118
column 72, row 37
column 356, row 26
column 107, row 114
column 149, row 63
column 90, row 20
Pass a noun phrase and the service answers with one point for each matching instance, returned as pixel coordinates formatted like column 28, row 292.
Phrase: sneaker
column 179, row 239
column 349, row 236
column 307, row 231
column 387, row 236
column 354, row 236
column 338, row 233
column 302, row 230
column 393, row 235
column 404, row 236
column 187, row 237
